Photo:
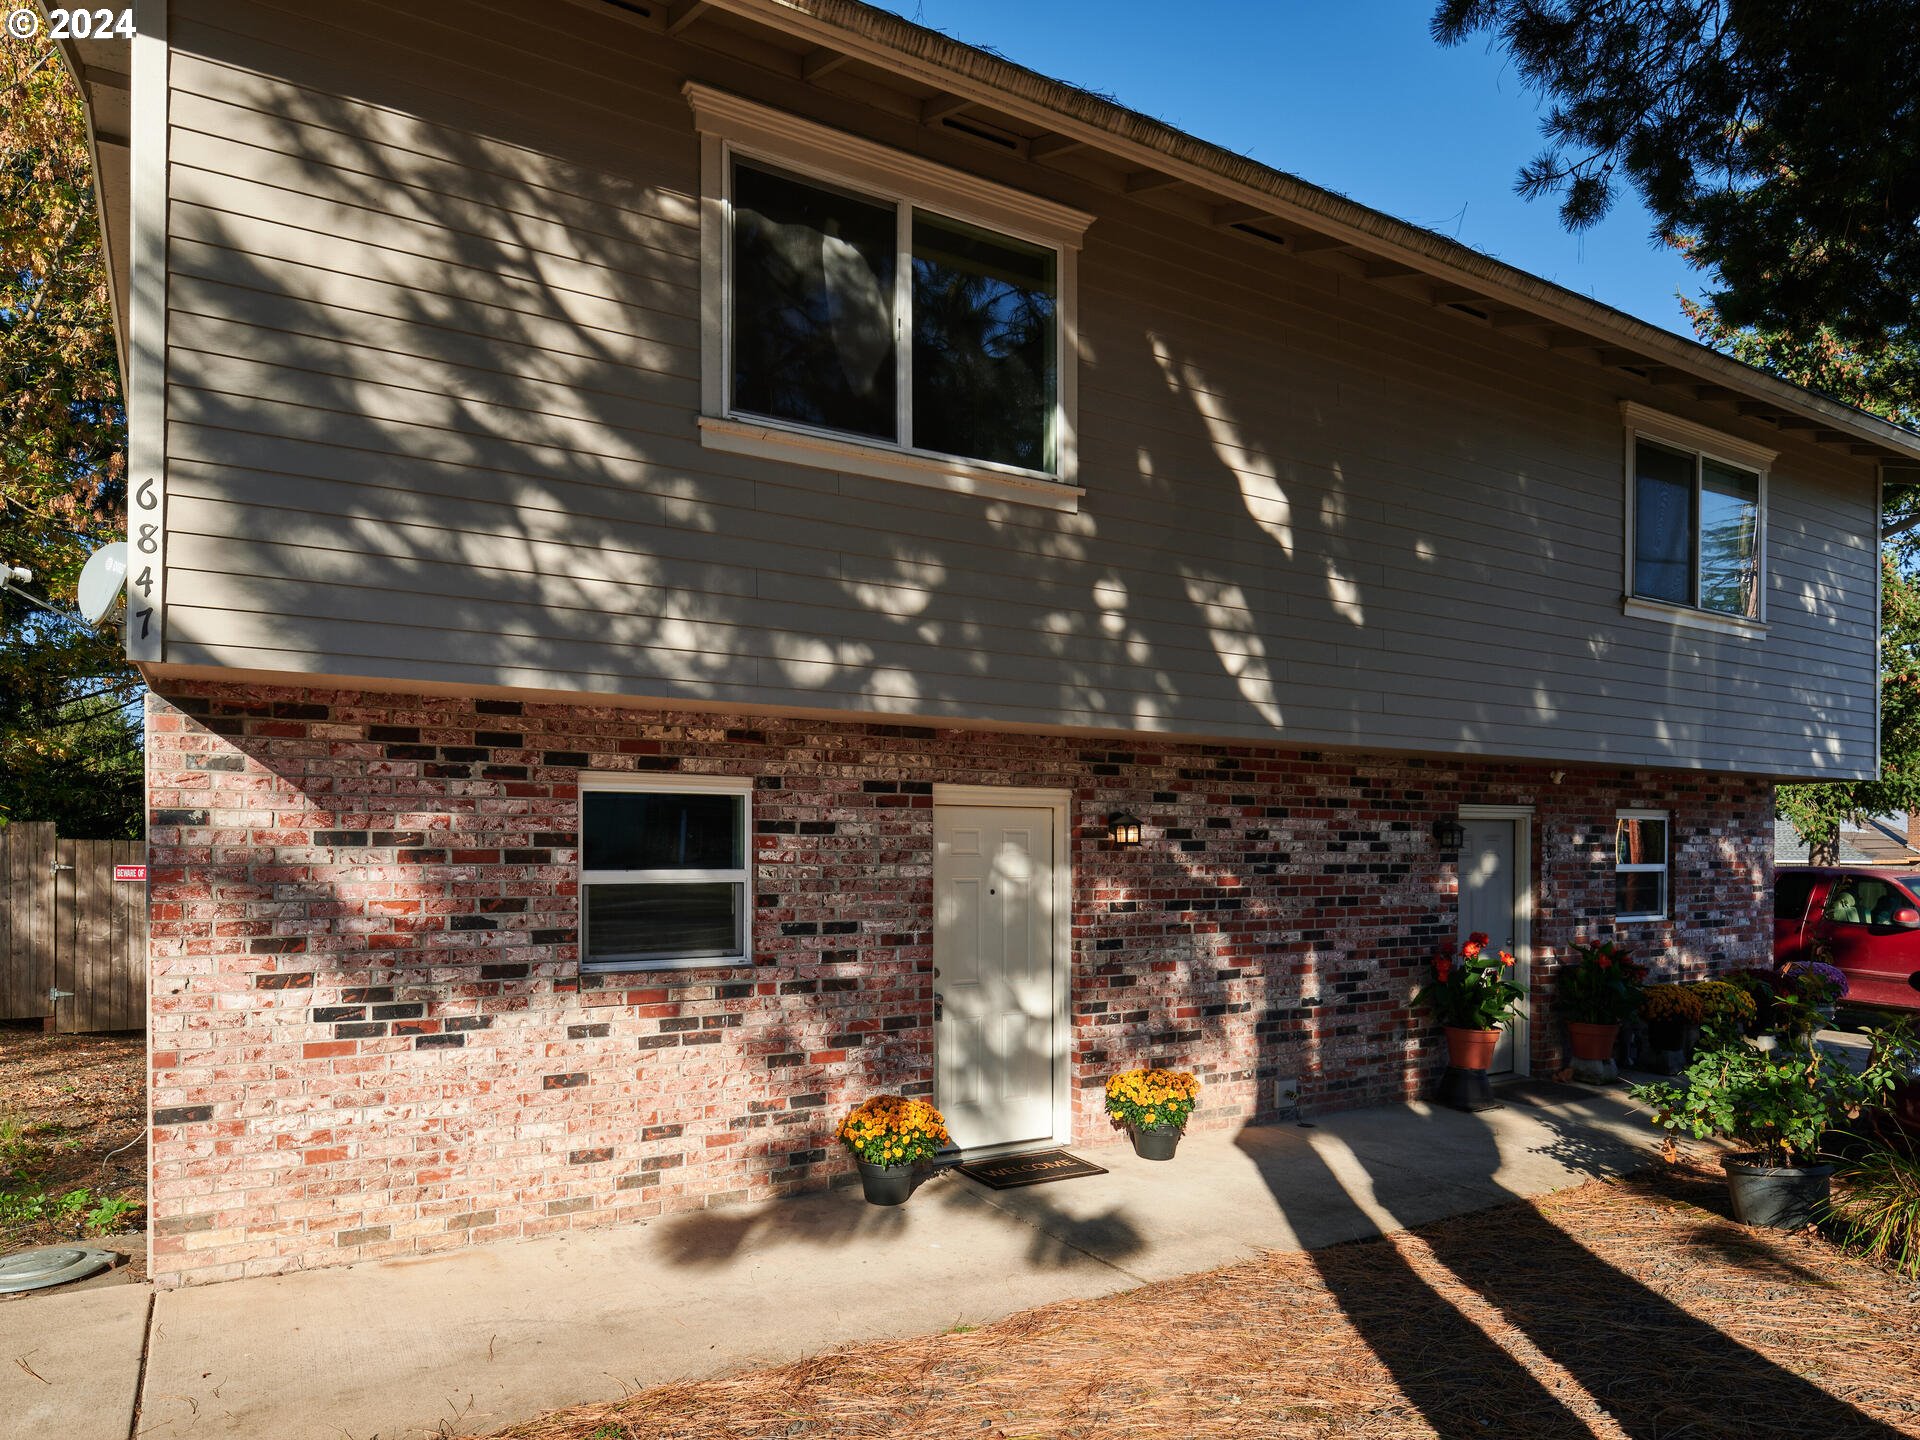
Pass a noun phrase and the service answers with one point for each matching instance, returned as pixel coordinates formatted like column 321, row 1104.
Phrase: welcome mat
column 1010, row 1172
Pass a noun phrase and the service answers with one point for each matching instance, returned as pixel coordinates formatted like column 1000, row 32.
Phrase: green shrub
column 1778, row 1106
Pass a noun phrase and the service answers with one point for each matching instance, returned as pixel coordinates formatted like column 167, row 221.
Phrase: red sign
column 130, row 872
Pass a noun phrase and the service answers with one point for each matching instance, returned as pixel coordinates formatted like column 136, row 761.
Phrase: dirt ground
column 1628, row 1310
column 73, row 1155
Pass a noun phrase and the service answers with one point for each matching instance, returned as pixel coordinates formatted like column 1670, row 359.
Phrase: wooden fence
column 73, row 939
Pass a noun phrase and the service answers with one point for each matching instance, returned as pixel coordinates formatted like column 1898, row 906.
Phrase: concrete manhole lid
column 53, row 1265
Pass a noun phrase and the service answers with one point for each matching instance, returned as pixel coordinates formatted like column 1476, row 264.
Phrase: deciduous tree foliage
column 1780, row 139
column 69, row 744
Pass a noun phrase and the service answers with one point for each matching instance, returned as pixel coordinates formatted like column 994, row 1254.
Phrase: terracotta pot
column 1592, row 1042
column 1471, row 1049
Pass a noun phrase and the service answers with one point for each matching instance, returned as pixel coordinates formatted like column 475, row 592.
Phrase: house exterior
column 1790, row 849
column 666, row 537
column 1883, row 842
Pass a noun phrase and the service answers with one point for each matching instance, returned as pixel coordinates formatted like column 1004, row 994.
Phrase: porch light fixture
column 1449, row 833
column 1123, row 829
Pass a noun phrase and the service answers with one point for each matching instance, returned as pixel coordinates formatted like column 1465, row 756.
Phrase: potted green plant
column 1154, row 1106
column 1777, row 1107
column 1727, row 1010
column 1599, row 991
column 1671, row 1012
column 889, row 1135
column 1763, row 988
column 1808, row 992
column 1472, row 997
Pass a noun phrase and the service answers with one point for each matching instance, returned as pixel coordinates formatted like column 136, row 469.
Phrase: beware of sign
column 137, row 873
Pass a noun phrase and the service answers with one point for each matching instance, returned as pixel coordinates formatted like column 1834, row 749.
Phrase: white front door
column 996, row 1025
column 1488, row 897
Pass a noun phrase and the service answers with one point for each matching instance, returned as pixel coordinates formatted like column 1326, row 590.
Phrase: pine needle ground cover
column 1618, row 1309
column 73, row 1160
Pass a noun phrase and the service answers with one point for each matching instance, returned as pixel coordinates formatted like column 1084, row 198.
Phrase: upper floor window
column 870, row 311
column 825, row 285
column 1698, row 530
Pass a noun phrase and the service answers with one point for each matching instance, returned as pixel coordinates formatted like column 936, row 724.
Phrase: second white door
column 1487, row 905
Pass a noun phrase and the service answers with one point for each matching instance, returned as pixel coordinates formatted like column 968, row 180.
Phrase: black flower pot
column 1782, row 1197
column 1667, row 1034
column 886, row 1184
column 1154, row 1144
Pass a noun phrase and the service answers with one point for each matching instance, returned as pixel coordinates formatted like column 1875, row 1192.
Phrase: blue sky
column 1351, row 95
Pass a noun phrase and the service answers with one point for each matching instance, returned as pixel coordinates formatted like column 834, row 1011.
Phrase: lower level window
column 1640, row 865
column 663, row 872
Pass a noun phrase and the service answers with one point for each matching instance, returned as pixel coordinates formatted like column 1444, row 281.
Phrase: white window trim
column 730, row 126
column 1664, row 868
column 1643, row 423
column 606, row 781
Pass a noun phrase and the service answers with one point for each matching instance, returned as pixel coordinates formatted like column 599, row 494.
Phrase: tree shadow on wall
column 450, row 323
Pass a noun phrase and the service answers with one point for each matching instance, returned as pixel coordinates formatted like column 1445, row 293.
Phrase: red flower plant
column 1599, row 985
column 1470, row 991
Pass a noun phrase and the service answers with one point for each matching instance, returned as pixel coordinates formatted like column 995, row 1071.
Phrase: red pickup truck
column 1868, row 920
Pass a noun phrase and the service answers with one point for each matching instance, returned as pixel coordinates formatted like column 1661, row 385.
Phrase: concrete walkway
column 484, row 1337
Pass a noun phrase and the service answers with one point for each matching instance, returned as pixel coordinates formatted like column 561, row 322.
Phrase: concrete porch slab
column 481, row 1338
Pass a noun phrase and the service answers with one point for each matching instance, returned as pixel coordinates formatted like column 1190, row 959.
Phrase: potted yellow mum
column 889, row 1135
column 1154, row 1105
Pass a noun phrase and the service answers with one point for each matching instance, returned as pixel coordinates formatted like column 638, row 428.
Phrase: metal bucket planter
column 886, row 1184
column 1783, row 1197
column 1154, row 1144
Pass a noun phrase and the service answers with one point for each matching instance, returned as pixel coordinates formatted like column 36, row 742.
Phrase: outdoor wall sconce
column 1449, row 833
column 1123, row 829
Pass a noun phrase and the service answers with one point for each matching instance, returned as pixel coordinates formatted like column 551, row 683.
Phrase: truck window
column 1790, row 896
column 1862, row 900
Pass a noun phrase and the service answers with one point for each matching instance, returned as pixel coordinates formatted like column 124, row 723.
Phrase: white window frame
column 1664, row 868
column 606, row 782
column 733, row 127
column 1703, row 444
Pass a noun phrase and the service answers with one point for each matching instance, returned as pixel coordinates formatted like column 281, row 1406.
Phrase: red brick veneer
column 371, row 1036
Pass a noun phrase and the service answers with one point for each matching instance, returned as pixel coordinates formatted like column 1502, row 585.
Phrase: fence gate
column 73, row 938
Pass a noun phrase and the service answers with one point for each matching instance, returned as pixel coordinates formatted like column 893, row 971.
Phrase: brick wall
column 371, row 1036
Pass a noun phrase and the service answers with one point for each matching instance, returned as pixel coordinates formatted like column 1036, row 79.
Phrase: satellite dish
column 100, row 581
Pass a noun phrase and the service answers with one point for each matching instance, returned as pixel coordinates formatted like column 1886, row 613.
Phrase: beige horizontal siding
column 434, row 370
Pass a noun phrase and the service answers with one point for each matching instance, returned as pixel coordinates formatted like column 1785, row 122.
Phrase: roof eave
column 931, row 58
